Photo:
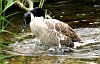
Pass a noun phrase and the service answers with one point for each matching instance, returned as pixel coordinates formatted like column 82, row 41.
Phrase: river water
column 83, row 17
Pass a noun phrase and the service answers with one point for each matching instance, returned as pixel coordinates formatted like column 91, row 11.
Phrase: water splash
column 31, row 47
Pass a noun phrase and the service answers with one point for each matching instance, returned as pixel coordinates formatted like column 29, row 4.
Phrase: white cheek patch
column 32, row 17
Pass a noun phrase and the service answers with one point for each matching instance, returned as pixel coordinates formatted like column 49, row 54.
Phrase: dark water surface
column 84, row 17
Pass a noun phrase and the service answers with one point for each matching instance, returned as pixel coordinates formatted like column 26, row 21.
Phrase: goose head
column 35, row 12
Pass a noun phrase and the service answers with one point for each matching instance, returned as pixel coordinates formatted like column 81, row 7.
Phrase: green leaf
column 5, row 56
column 37, row 0
column 9, row 4
column 4, row 44
column 0, row 5
column 1, row 30
column 41, row 3
column 0, row 10
column 12, row 14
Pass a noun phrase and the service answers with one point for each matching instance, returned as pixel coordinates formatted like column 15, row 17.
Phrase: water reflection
column 97, row 6
column 85, row 18
column 34, row 47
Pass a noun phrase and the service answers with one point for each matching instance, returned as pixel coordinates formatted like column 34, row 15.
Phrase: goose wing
column 64, row 29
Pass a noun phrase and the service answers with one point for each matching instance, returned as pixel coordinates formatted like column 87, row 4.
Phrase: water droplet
column 84, row 20
column 76, row 21
column 90, row 23
column 96, row 22
column 92, row 12
column 61, row 16
column 96, row 6
column 63, row 12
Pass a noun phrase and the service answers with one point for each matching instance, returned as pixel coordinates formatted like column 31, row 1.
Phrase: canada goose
column 50, row 31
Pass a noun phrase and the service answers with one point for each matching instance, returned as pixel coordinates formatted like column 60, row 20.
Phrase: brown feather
column 64, row 29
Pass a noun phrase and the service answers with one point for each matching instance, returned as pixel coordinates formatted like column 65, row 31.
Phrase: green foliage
column 81, row 15
column 8, row 4
column 5, row 56
column 36, row 0
column 4, row 5
column 41, row 3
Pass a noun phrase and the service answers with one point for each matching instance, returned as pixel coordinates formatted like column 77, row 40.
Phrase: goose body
column 51, row 31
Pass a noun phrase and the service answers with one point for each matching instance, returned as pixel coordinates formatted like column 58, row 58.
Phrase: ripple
column 34, row 47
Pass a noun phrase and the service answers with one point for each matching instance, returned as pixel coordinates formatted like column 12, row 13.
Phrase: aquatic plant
column 4, row 5
column 4, row 22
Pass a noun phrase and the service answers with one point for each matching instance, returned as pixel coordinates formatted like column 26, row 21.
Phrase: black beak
column 27, row 20
column 24, row 25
